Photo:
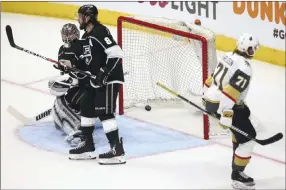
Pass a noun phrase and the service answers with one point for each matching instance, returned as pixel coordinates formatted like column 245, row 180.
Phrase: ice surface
column 24, row 85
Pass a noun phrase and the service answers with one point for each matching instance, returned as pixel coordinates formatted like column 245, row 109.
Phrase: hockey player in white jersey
column 225, row 93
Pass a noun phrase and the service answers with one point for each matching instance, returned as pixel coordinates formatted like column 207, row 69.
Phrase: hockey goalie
column 225, row 93
column 68, row 88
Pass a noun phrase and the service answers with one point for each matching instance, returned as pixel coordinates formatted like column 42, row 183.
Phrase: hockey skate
column 241, row 181
column 116, row 155
column 84, row 151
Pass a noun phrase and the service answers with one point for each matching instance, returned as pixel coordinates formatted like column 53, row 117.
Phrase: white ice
column 24, row 85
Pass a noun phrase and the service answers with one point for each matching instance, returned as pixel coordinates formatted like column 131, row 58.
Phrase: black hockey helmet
column 88, row 10
column 69, row 33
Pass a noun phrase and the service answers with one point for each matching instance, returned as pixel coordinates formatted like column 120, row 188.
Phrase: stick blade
column 16, row 114
column 10, row 35
column 271, row 140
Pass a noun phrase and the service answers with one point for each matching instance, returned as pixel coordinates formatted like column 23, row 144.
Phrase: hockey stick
column 25, row 120
column 12, row 43
column 263, row 142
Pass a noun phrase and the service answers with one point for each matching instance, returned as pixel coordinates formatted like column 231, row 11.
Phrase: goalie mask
column 69, row 33
column 61, row 85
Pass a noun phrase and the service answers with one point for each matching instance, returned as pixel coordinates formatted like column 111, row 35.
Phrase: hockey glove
column 64, row 64
column 61, row 68
column 226, row 118
column 100, row 78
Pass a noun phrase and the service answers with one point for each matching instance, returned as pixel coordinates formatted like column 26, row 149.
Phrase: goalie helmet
column 61, row 85
column 248, row 44
column 69, row 33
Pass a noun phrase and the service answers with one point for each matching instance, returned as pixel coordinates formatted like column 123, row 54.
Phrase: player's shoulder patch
column 246, row 67
column 247, row 63
column 240, row 80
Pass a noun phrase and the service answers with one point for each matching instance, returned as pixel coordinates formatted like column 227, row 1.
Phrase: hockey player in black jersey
column 69, row 53
column 68, row 88
column 102, row 55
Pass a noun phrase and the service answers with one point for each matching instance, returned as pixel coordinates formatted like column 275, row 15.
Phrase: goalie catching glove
column 100, row 78
column 60, row 85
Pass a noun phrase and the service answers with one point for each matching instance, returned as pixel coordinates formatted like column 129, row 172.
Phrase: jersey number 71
column 239, row 80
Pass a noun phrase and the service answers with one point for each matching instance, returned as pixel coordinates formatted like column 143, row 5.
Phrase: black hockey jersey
column 72, row 54
column 101, row 50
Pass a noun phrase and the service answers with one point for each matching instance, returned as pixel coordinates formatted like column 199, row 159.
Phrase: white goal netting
column 154, row 53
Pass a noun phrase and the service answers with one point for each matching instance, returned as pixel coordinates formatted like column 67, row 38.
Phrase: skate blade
column 239, row 185
column 113, row 161
column 83, row 156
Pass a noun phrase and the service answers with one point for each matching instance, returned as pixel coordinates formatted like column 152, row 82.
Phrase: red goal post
column 147, row 30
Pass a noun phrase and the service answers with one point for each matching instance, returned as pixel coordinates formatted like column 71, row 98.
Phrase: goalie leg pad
column 65, row 118
column 57, row 120
column 73, row 97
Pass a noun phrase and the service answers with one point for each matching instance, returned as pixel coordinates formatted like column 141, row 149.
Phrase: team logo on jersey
column 87, row 54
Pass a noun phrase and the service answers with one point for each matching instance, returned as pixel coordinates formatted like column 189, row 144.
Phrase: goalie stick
column 263, row 142
column 26, row 120
column 12, row 43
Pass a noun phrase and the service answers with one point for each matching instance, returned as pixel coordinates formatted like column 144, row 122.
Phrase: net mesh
column 152, row 55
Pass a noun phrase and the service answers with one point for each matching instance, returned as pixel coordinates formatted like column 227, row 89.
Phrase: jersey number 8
column 107, row 40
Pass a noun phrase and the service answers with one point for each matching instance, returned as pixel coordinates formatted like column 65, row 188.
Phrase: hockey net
column 178, row 54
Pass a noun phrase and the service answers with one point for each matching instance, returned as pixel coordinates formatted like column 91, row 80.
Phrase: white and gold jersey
column 230, row 80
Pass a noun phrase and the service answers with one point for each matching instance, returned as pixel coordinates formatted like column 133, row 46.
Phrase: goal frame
column 122, row 19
